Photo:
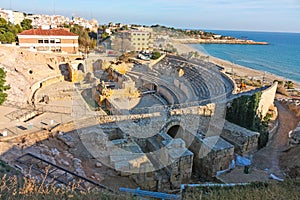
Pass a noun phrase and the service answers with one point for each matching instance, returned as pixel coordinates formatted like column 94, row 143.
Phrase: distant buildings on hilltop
column 14, row 17
column 47, row 21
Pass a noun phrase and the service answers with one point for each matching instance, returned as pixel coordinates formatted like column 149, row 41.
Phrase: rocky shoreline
column 218, row 41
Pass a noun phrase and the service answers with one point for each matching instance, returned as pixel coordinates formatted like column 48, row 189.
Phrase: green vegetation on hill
column 9, row 31
column 26, row 24
column 3, row 87
column 87, row 40
column 182, row 33
column 243, row 112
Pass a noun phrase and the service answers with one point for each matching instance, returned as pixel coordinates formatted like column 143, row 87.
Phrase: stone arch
column 175, row 130
column 80, row 67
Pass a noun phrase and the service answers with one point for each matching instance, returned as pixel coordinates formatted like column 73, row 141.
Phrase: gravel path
column 268, row 157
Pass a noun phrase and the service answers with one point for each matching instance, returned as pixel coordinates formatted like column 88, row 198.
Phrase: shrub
column 156, row 55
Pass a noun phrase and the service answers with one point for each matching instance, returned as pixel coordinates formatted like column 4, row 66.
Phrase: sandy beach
column 232, row 67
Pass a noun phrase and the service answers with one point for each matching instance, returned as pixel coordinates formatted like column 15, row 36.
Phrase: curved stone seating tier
column 176, row 93
column 203, row 80
column 206, row 81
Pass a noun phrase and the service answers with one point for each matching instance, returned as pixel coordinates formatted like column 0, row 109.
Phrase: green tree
column 19, row 28
column 3, row 87
column 9, row 37
column 67, row 25
column 26, row 24
column 104, row 35
column 156, row 55
column 86, row 43
column 289, row 85
column 3, row 22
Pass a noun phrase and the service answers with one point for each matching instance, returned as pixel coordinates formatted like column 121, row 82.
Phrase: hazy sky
column 262, row 15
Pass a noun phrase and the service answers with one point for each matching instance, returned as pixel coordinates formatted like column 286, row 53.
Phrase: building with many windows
column 136, row 40
column 55, row 40
column 141, row 40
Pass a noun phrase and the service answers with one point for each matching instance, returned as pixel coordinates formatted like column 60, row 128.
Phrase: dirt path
column 268, row 157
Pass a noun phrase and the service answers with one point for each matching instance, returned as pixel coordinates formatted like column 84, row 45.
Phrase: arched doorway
column 65, row 71
column 80, row 67
column 175, row 131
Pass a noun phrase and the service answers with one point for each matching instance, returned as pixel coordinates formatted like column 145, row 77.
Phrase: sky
column 253, row 15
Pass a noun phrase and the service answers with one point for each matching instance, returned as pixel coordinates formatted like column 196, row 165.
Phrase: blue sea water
column 281, row 57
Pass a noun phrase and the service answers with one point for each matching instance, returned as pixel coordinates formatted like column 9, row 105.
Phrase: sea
column 281, row 57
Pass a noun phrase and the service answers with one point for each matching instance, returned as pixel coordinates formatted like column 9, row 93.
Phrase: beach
column 232, row 67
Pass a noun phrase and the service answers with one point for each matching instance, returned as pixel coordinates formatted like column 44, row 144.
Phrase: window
column 133, row 43
column 143, row 34
column 40, row 41
column 143, row 39
column 52, row 41
column 57, row 41
column 138, row 39
column 46, row 41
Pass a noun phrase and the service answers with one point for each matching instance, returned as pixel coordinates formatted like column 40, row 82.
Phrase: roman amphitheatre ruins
column 152, row 124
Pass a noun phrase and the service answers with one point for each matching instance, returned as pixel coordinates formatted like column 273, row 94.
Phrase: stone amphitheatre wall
column 184, row 88
column 45, row 82
column 244, row 141
column 231, row 81
column 167, row 94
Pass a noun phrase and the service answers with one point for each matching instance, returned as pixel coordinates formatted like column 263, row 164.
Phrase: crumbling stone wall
column 244, row 141
column 173, row 163
column 212, row 154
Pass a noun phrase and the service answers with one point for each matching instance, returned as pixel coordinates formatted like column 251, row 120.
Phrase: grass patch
column 286, row 190
column 13, row 188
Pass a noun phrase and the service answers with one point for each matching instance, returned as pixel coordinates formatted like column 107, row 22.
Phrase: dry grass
column 19, row 188
column 11, row 188
column 286, row 190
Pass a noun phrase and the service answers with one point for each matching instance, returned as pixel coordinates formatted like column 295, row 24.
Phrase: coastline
column 218, row 41
column 232, row 67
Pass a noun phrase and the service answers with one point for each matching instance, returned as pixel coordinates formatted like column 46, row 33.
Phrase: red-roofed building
column 56, row 40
